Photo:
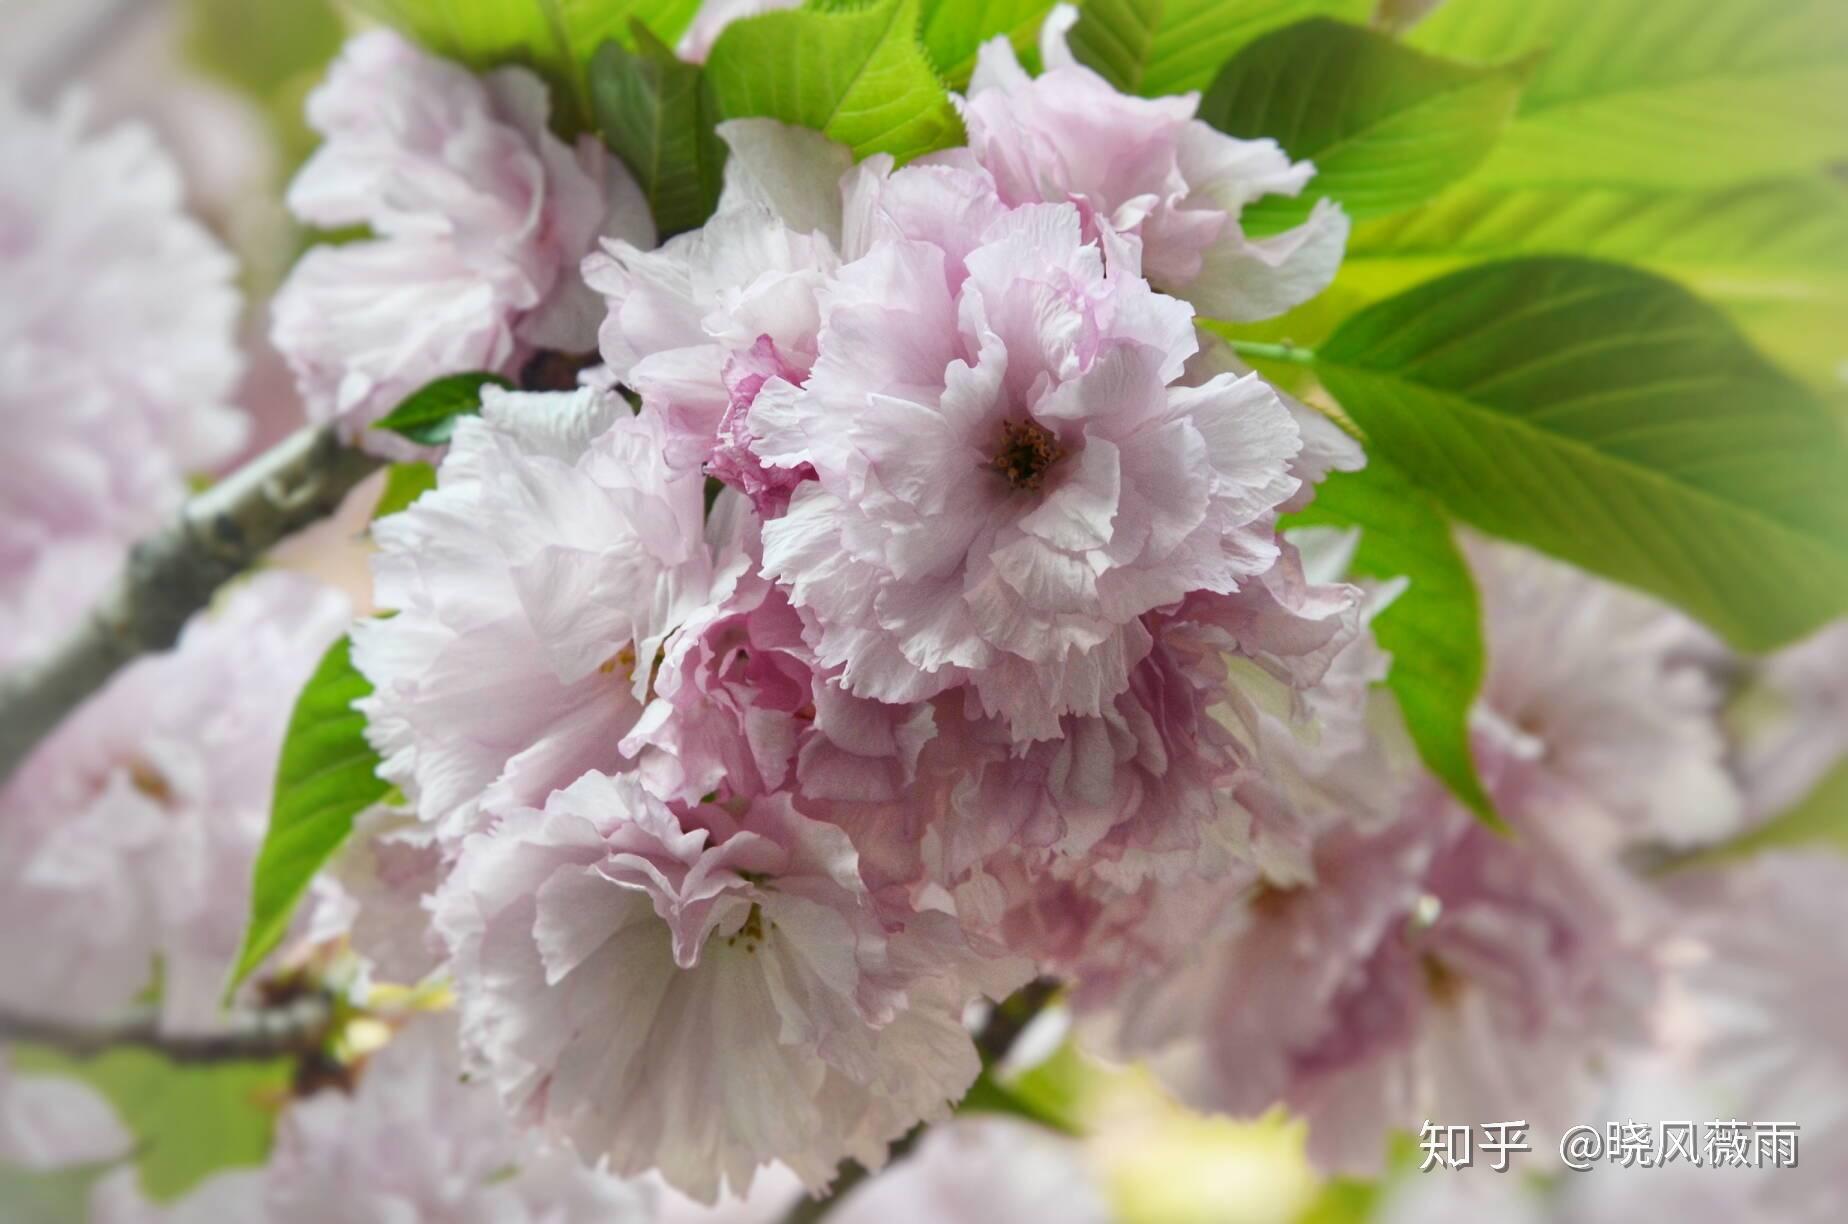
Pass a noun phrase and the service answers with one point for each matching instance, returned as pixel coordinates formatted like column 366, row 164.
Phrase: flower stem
column 297, row 1030
column 1291, row 353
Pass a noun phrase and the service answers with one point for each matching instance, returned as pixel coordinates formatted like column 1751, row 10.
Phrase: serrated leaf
column 954, row 30
column 1433, row 629
column 1154, row 47
column 858, row 75
column 1606, row 416
column 1687, row 93
column 404, row 484
column 328, row 773
column 657, row 114
column 556, row 38
column 189, row 1121
column 428, row 415
column 1773, row 255
column 1386, row 127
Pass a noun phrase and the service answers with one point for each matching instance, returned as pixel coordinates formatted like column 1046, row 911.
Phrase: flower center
column 1028, row 449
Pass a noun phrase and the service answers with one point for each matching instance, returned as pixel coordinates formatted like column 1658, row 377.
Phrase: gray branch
column 298, row 1029
column 172, row 574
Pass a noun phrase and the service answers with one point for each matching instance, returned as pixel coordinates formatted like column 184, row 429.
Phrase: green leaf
column 428, row 415
column 954, row 30
column 1660, row 92
column 1608, row 417
column 404, row 484
column 859, row 76
column 327, row 775
column 1154, row 47
column 189, row 1121
column 1386, row 127
column 989, row 1095
column 555, row 38
column 658, row 113
column 1434, row 627
column 1773, row 255
column 49, row 1196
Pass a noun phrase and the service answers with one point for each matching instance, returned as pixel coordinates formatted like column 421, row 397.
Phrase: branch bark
column 172, row 574
column 296, row 1030
column 996, row 1037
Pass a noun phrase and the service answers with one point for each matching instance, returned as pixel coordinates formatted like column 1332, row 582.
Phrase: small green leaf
column 404, row 484
column 428, row 415
column 1659, row 93
column 1154, row 47
column 1386, row 127
column 555, row 38
column 327, row 775
column 658, row 113
column 858, row 75
column 1608, row 417
column 189, row 1121
column 1434, row 627
column 954, row 30
column 989, row 1095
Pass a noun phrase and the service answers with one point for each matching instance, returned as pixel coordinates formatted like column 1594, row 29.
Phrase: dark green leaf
column 860, row 76
column 657, row 113
column 327, row 775
column 1608, row 417
column 189, row 1121
column 1386, row 127
column 404, row 484
column 428, row 415
column 1434, row 627
column 1153, row 47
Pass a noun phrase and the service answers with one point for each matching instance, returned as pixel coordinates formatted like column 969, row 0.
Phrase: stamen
column 1028, row 449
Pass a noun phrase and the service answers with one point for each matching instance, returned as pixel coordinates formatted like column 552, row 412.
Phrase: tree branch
column 299, row 1029
column 172, row 574
column 997, row 1036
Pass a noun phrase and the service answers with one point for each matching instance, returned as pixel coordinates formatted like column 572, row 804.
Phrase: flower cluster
column 879, row 658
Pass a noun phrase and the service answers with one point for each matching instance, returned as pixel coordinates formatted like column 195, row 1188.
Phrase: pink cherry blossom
column 129, row 329
column 1792, row 722
column 479, row 215
column 1008, row 474
column 1161, row 189
column 418, row 1141
column 532, row 590
column 128, row 836
column 701, row 990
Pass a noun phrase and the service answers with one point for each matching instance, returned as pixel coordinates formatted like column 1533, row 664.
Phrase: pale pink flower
column 375, row 894
column 127, row 838
column 1434, row 969
column 701, row 990
column 1793, row 722
column 417, row 1141
column 56, row 1122
column 479, row 215
column 1008, row 473
column 979, row 1169
column 698, row 327
column 235, row 1194
column 532, row 591
column 1596, row 697
column 1161, row 189
column 118, row 358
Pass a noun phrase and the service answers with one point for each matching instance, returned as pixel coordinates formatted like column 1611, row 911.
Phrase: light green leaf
column 1608, row 417
column 658, row 114
column 1386, row 127
column 327, row 775
column 404, row 484
column 189, row 1121
column 428, row 415
column 1660, row 92
column 989, row 1095
column 858, row 75
column 1434, row 627
column 1819, row 821
column 954, row 31
column 1773, row 255
column 556, row 38
column 1154, row 47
